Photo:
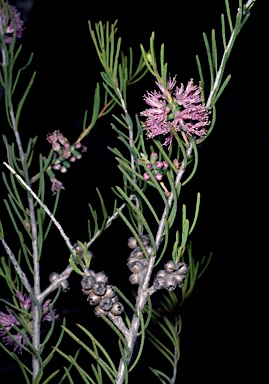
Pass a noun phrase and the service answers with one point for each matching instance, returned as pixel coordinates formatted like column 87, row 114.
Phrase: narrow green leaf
column 196, row 212
column 209, row 58
column 223, row 31
column 102, row 349
column 229, row 15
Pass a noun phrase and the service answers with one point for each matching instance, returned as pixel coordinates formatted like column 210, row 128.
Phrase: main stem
column 143, row 290
column 35, row 311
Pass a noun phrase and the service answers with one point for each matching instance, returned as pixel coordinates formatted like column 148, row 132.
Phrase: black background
column 224, row 335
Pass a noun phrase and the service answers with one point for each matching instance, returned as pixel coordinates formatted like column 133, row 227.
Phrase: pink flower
column 9, row 320
column 179, row 109
column 9, row 15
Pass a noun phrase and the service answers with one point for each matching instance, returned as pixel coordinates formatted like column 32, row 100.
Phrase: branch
column 56, row 223
column 17, row 267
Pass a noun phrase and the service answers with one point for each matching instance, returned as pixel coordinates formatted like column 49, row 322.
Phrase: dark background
column 225, row 335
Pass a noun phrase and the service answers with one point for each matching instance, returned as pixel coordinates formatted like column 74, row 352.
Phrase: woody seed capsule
column 132, row 243
column 99, row 288
column 170, row 267
column 117, row 309
column 93, row 299
column 87, row 282
column 100, row 312
column 53, row 276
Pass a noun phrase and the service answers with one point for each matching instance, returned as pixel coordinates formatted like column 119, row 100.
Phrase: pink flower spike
column 179, row 109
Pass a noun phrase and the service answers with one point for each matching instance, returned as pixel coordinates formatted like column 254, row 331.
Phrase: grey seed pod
column 170, row 267
column 53, row 276
column 136, row 266
column 100, row 312
column 137, row 253
column 87, row 282
column 105, row 303
column 65, row 285
column 159, row 283
column 161, row 273
column 179, row 279
column 117, row 309
column 132, row 243
column 93, row 299
column 99, row 288
column 182, row 268
column 110, row 292
column 170, row 283
column 115, row 299
column 101, row 277
column 134, row 278
column 145, row 240
column 149, row 251
column 89, row 272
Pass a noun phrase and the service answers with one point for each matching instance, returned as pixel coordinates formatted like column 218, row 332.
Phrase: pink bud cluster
column 171, row 276
column 64, row 155
column 158, row 168
column 137, row 262
column 95, row 286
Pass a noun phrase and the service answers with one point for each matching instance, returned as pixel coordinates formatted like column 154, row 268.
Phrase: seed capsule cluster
column 64, row 283
column 95, row 286
column 171, row 276
column 137, row 262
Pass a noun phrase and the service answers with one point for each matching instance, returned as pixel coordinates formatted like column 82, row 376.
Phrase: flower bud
column 153, row 157
column 165, row 165
column 149, row 166
column 158, row 177
column 159, row 164
column 117, row 309
column 146, row 176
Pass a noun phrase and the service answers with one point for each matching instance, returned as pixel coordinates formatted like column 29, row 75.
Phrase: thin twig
column 56, row 223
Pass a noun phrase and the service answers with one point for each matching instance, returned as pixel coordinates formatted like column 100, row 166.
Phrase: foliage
column 149, row 169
